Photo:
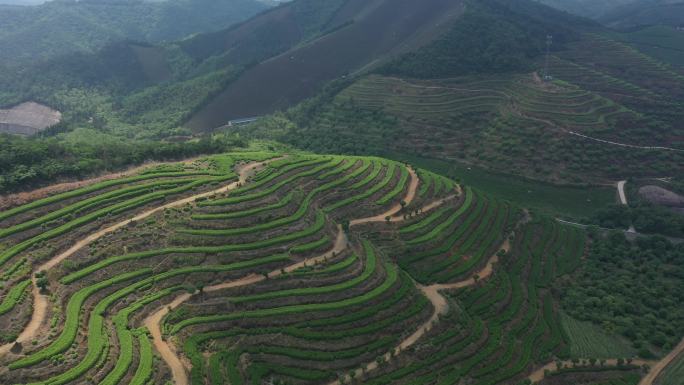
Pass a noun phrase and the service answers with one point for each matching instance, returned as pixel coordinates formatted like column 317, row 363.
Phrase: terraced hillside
column 267, row 268
column 600, row 116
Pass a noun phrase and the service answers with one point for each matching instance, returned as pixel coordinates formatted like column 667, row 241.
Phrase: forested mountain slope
column 476, row 95
column 458, row 81
column 344, row 37
column 30, row 34
column 646, row 12
column 587, row 8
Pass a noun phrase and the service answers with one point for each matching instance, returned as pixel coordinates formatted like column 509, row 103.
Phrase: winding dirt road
column 624, row 144
column 441, row 306
column 410, row 196
column 179, row 368
column 621, row 192
column 168, row 352
column 153, row 322
column 40, row 301
column 658, row 367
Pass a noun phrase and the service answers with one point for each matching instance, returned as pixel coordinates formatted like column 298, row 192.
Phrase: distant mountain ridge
column 625, row 14
column 588, row 8
column 646, row 12
column 62, row 27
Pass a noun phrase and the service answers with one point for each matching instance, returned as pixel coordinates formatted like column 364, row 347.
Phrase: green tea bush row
column 272, row 189
column 313, row 229
column 391, row 278
column 13, row 297
column 439, row 229
column 85, row 219
column 398, row 189
column 366, row 194
column 246, row 213
column 369, row 269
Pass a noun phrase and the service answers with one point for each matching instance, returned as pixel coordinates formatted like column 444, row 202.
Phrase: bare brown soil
column 28, row 118
column 661, row 196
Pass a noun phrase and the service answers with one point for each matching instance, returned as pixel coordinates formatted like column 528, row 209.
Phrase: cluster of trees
column 632, row 288
column 646, row 217
column 26, row 163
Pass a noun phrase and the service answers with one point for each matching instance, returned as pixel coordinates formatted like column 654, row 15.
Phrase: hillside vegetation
column 457, row 81
column 261, row 267
column 600, row 118
column 58, row 28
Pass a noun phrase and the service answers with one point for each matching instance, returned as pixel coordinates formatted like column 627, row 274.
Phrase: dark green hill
column 314, row 42
column 58, row 27
column 646, row 12
column 587, row 8
column 456, row 81
column 475, row 97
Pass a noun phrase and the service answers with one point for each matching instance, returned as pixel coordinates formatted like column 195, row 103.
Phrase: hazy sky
column 22, row 2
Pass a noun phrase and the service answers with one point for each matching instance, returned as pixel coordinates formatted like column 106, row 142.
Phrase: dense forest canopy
column 25, row 163
column 492, row 37
column 633, row 288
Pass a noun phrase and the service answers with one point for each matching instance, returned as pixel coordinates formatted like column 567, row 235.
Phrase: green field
column 590, row 341
column 571, row 202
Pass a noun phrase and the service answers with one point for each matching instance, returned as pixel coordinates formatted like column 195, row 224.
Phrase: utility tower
column 549, row 42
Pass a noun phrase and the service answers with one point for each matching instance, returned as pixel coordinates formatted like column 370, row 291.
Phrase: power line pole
column 549, row 42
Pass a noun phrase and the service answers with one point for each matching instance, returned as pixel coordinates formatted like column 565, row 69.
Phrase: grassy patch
column 573, row 202
column 590, row 341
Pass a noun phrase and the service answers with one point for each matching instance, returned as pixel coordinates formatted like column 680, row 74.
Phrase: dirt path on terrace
column 567, row 131
column 179, row 368
column 441, row 306
column 18, row 199
column 621, row 192
column 485, row 273
column 658, row 367
column 410, row 196
column 40, row 302
column 623, row 201
column 426, row 208
column 40, row 305
column 538, row 374
column 153, row 322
